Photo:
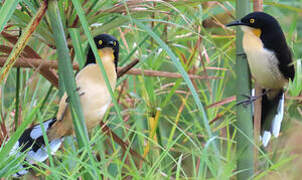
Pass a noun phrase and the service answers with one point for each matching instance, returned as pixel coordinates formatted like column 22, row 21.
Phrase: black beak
column 235, row 23
column 111, row 43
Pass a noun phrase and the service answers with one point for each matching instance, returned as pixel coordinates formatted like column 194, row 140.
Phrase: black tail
column 271, row 116
column 32, row 141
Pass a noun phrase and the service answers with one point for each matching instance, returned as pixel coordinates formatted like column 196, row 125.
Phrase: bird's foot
column 242, row 55
column 249, row 100
column 80, row 94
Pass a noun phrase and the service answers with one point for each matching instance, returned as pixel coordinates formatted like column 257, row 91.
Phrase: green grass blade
column 66, row 72
column 295, row 86
column 186, row 79
column 76, row 41
column 17, row 97
column 22, row 41
column 6, row 12
column 14, row 138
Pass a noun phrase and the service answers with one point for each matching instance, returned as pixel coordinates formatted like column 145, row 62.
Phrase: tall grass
column 183, row 127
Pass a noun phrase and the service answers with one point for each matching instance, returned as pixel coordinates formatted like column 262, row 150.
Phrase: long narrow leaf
column 187, row 80
column 22, row 40
column 6, row 12
column 76, row 41
column 14, row 138
column 66, row 73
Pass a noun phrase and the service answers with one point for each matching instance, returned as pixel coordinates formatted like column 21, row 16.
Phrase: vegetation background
column 158, row 112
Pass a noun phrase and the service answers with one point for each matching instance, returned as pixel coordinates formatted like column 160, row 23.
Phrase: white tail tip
column 265, row 138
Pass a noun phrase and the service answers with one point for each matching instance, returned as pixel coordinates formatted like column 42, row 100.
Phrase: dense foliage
column 183, row 130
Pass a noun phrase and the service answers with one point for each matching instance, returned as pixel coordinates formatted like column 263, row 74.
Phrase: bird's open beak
column 235, row 23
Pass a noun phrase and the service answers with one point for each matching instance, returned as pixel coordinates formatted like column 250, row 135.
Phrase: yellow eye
column 100, row 42
column 252, row 21
column 114, row 43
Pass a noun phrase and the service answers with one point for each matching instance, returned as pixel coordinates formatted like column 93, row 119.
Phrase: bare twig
column 257, row 5
column 36, row 62
column 135, row 71
column 4, row 133
column 7, row 50
column 218, row 116
column 20, row 45
column 297, row 98
column 30, row 53
column 203, row 62
column 126, row 68
column 222, row 102
column 233, row 98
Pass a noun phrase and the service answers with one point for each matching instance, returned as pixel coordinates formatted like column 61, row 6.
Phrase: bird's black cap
column 258, row 20
column 103, row 41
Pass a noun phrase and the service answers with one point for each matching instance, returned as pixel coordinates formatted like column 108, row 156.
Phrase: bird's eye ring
column 252, row 21
column 100, row 42
column 114, row 43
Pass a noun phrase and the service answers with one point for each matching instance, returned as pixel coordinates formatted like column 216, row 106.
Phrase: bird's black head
column 102, row 42
column 257, row 20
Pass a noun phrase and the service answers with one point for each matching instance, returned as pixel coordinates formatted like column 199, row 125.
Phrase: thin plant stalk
column 244, row 146
column 203, row 115
column 17, row 97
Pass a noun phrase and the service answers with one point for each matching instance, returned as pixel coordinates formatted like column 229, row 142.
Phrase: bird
column 94, row 97
column 271, row 64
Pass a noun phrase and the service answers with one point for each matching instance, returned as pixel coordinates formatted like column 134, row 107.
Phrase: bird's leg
column 250, row 99
column 67, row 101
column 64, row 112
column 77, row 89
column 81, row 93
column 242, row 54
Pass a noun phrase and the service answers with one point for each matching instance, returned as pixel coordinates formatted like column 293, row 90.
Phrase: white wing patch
column 41, row 154
column 265, row 138
column 253, row 104
column 276, row 123
column 37, row 130
column 14, row 149
column 55, row 145
column 21, row 172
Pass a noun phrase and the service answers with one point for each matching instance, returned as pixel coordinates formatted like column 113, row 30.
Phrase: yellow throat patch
column 257, row 32
column 106, row 54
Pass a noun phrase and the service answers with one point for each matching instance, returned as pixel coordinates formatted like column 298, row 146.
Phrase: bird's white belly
column 264, row 67
column 95, row 97
column 95, row 103
column 262, row 62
